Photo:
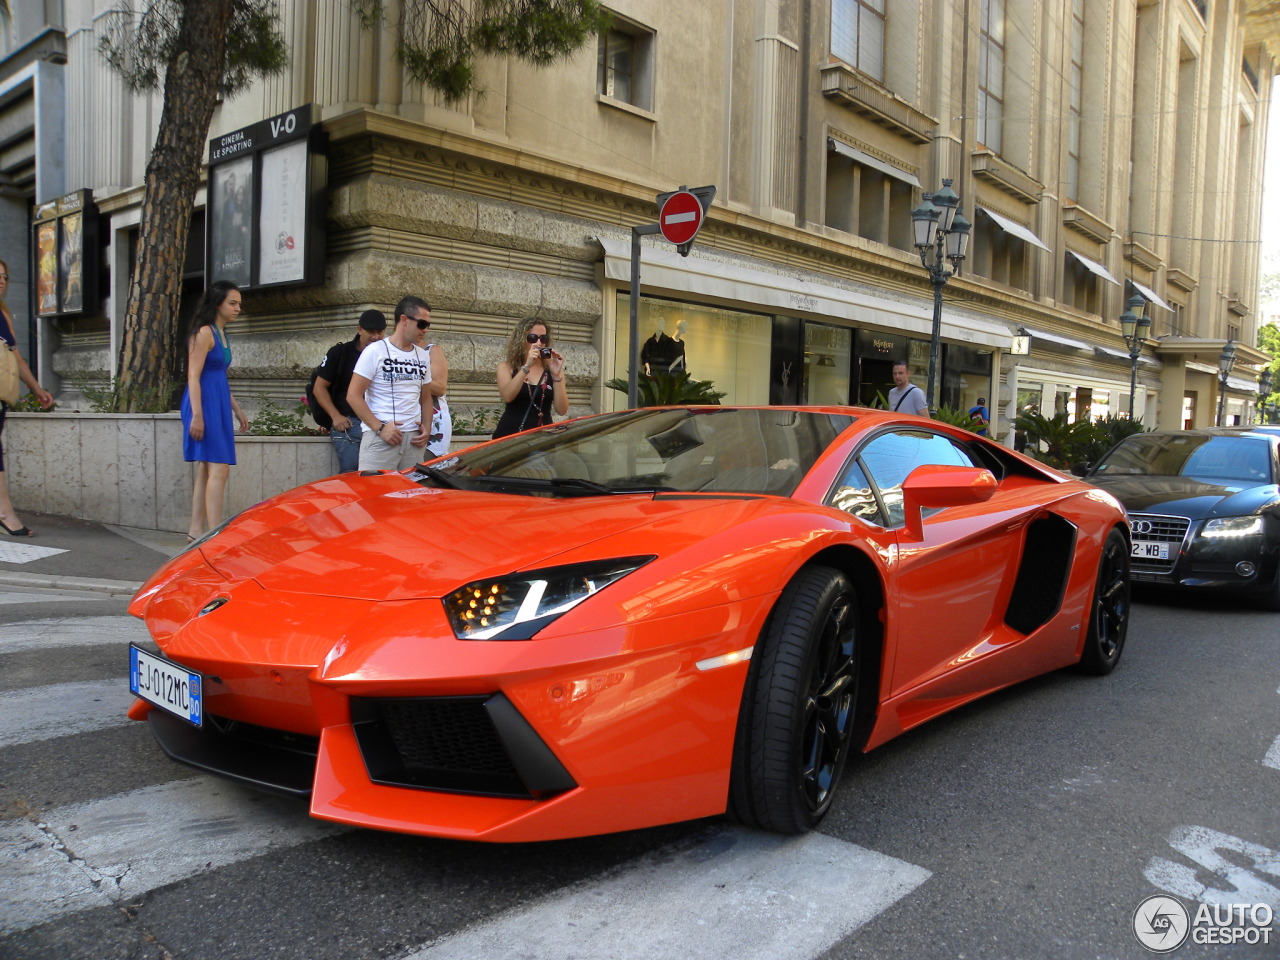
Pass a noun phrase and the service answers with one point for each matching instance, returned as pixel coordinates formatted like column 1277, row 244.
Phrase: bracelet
column 524, row 367
column 381, row 426
column 554, row 380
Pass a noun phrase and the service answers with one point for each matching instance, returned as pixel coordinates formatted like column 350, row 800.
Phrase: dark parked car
column 1204, row 507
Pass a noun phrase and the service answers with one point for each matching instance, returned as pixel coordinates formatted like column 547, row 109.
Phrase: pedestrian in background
column 906, row 397
column 530, row 379
column 209, row 410
column 390, row 391
column 333, row 378
column 441, row 422
column 8, row 516
column 979, row 417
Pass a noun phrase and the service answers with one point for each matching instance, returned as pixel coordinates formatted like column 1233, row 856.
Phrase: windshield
column 692, row 450
column 1220, row 460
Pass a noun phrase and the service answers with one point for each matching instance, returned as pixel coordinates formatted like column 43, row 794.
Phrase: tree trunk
column 148, row 350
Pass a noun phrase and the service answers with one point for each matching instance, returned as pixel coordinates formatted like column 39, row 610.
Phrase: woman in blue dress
column 209, row 411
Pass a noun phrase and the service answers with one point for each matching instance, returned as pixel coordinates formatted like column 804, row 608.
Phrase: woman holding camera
column 530, row 379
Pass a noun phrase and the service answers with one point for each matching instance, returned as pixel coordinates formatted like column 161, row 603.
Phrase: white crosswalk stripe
column 61, row 709
column 59, row 632
column 125, row 845
column 737, row 893
column 744, row 895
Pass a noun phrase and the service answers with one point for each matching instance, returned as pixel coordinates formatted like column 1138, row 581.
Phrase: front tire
column 799, row 707
column 1109, row 608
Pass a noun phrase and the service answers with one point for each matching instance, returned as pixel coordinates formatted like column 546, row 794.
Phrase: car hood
column 1186, row 496
column 401, row 541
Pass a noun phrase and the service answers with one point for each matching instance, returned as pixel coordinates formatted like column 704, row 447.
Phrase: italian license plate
column 167, row 685
column 1150, row 550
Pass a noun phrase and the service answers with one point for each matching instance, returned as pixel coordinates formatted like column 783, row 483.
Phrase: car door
column 944, row 588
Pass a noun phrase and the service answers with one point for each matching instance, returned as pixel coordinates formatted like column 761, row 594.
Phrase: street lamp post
column 1264, row 391
column 1226, row 360
column 941, row 239
column 1134, row 327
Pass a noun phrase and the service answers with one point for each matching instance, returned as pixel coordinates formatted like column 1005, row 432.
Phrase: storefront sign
column 881, row 346
column 265, row 223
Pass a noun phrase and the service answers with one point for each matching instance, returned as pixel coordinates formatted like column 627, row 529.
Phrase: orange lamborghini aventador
column 624, row 620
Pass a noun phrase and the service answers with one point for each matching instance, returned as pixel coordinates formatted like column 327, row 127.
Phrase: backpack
column 318, row 413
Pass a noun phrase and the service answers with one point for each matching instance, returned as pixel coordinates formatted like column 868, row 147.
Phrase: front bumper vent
column 474, row 744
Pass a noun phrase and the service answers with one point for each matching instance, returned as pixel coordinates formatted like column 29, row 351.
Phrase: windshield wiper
column 567, row 484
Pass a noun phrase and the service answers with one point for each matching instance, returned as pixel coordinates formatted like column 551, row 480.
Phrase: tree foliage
column 1269, row 340
column 437, row 41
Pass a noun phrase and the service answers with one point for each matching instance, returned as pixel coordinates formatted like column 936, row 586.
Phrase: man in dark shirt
column 331, row 388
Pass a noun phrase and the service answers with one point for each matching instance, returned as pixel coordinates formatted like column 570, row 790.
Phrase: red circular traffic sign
column 681, row 216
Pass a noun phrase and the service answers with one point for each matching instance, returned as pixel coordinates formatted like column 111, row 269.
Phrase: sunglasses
column 537, row 337
column 422, row 324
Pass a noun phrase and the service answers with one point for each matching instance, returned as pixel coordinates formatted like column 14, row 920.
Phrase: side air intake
column 1042, row 575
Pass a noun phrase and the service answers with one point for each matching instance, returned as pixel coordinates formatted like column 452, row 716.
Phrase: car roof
column 1260, row 432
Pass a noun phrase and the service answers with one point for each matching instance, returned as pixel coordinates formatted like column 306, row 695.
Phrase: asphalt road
column 1030, row 824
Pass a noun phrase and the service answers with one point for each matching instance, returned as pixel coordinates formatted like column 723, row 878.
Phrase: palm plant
column 664, row 389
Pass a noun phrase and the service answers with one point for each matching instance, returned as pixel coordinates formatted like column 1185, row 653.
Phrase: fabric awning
column 1094, row 267
column 1110, row 352
column 1015, row 228
column 866, row 159
column 1055, row 338
column 1149, row 294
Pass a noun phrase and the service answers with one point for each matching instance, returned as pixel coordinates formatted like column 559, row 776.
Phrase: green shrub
column 274, row 421
column 670, row 389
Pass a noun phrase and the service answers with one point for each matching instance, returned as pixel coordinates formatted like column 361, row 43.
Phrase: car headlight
column 1232, row 527
column 517, row 606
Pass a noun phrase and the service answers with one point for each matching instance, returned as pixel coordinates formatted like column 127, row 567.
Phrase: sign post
column 681, row 214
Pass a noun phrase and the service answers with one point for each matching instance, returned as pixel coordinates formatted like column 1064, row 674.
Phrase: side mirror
column 1080, row 469
column 935, row 485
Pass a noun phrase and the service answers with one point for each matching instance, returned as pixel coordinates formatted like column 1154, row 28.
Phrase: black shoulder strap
column 905, row 393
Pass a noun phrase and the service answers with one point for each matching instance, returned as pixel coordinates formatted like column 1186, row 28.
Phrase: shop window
column 857, row 35
column 868, row 202
column 731, row 349
column 624, row 63
column 828, row 351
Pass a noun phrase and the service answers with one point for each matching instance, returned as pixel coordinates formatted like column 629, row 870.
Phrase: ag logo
column 1161, row 923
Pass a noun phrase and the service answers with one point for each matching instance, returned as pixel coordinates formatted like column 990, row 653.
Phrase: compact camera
column 545, row 352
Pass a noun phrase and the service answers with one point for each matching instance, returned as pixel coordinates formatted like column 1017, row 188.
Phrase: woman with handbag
column 13, row 373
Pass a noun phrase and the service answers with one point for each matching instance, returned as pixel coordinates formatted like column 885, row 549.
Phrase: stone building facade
column 1101, row 148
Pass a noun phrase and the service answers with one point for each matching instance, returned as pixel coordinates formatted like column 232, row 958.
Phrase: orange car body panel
column 334, row 592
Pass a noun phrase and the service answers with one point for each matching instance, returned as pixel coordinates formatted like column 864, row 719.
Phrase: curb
column 111, row 588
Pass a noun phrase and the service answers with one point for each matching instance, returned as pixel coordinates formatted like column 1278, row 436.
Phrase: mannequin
column 660, row 352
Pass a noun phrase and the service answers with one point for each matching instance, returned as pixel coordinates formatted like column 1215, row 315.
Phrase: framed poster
column 282, row 217
column 47, row 268
column 230, row 220
column 71, row 263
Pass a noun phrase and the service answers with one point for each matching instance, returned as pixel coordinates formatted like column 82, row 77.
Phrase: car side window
column 890, row 457
column 853, row 494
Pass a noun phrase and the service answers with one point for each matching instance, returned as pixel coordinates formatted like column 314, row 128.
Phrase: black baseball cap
column 373, row 321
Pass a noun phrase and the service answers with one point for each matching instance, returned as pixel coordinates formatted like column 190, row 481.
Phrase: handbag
column 10, row 383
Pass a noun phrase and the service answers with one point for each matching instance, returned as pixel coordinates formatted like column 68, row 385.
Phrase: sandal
column 20, row 532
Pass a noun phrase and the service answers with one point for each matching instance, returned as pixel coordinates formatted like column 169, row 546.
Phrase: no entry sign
column 680, row 218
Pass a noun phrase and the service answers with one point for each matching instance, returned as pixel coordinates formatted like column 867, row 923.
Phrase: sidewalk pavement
column 67, row 554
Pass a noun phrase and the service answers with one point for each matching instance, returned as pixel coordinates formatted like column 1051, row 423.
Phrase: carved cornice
column 868, row 99
column 1085, row 223
column 1005, row 176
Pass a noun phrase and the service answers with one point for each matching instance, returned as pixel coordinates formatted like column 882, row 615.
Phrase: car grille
column 1170, row 530
column 456, row 744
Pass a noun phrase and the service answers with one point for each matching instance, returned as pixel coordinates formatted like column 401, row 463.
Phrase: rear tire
column 1109, row 608
column 798, row 709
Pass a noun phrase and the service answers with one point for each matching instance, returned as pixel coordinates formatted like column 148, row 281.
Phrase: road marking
column 109, row 850
column 72, row 632
column 1272, row 759
column 61, row 709
column 1237, row 883
column 745, row 895
column 23, row 553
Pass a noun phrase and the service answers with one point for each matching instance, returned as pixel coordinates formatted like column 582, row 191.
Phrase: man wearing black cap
column 332, row 379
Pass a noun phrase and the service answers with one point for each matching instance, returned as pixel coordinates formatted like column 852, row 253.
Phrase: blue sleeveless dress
column 219, row 443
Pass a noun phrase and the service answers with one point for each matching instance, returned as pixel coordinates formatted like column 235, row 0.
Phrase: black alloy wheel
column 1109, row 608
column 799, row 706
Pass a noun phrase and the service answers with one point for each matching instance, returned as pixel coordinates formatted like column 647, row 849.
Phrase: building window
column 991, row 75
column 997, row 254
column 1080, row 286
column 857, row 34
column 868, row 202
column 1075, row 95
column 624, row 64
